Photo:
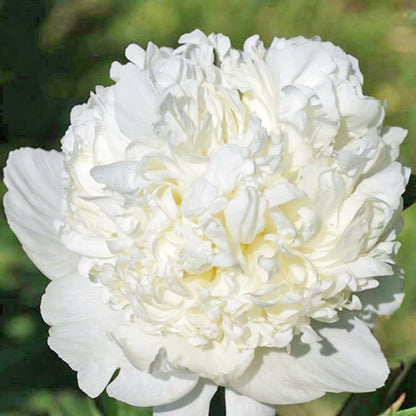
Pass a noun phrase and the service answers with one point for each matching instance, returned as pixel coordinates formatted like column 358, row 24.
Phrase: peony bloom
column 218, row 217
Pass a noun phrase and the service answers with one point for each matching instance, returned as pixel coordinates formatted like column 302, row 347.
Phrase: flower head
column 218, row 217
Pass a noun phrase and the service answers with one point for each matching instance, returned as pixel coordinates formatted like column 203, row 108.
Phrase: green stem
column 217, row 405
column 409, row 196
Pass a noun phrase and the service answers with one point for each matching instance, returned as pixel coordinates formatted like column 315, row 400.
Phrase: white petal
column 214, row 362
column 387, row 185
column 384, row 299
column 347, row 359
column 79, row 336
column 135, row 103
column 136, row 54
column 244, row 215
column 239, row 405
column 350, row 161
column 85, row 346
column 72, row 299
column 194, row 403
column 359, row 112
column 393, row 137
column 202, row 196
column 226, row 167
column 282, row 192
column 120, row 176
column 222, row 44
column 196, row 37
column 368, row 266
column 33, row 205
column 138, row 388
column 299, row 64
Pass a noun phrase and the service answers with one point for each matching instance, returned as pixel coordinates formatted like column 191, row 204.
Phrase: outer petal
column 239, row 405
column 81, row 336
column 73, row 299
column 138, row 388
column 214, row 362
column 384, row 299
column 87, row 349
column 194, row 403
column 348, row 359
column 33, row 205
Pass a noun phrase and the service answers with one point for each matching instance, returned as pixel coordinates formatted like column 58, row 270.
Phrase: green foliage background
column 53, row 52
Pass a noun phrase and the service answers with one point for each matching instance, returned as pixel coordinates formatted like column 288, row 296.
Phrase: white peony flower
column 218, row 217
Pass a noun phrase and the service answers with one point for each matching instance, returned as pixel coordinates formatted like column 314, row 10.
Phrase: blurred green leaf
column 409, row 196
column 65, row 403
column 42, row 401
column 20, row 327
column 411, row 15
column 111, row 407
column 74, row 405
column 406, row 412
column 395, row 407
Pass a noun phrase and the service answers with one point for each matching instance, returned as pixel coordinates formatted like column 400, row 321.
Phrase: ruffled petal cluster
column 218, row 217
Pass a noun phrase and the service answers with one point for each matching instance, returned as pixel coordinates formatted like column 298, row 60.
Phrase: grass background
column 53, row 52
